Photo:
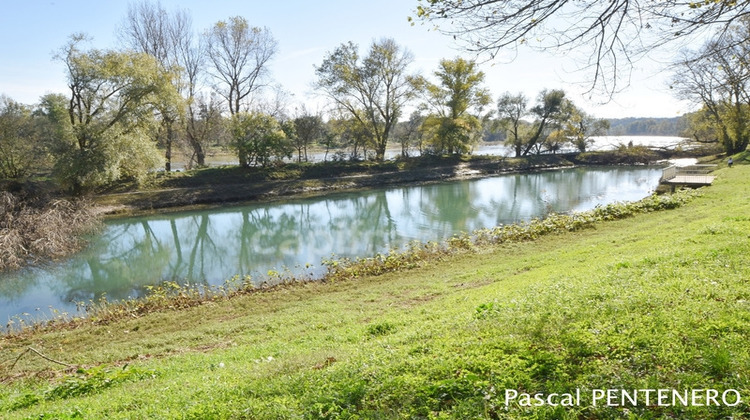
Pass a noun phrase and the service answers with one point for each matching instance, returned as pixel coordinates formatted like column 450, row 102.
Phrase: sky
column 32, row 30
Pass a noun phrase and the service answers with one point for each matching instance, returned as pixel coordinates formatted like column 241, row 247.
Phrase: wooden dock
column 693, row 176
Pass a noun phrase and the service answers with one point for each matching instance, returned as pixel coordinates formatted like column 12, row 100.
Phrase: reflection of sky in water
column 209, row 247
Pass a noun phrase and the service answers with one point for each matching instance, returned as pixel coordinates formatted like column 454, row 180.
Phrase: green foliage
column 555, row 119
column 579, row 127
column 623, row 155
column 453, row 126
column 111, row 111
column 259, row 139
column 84, row 382
column 21, row 149
column 382, row 328
column 122, row 156
column 308, row 130
column 371, row 89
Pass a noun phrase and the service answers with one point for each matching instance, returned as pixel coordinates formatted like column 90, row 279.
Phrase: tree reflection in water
column 209, row 247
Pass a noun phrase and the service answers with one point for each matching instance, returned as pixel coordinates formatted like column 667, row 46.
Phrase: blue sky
column 32, row 30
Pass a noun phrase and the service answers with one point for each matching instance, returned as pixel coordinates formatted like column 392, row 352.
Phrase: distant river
column 211, row 246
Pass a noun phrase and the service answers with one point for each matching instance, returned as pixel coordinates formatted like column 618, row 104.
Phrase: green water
column 211, row 246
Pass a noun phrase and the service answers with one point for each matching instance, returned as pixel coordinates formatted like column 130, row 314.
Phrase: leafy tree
column 611, row 34
column 309, row 129
column 239, row 54
column 548, row 113
column 701, row 127
column 21, row 149
column 511, row 111
column 453, row 127
column 259, row 139
column 114, row 97
column 580, row 127
column 409, row 134
column 717, row 76
column 349, row 133
column 372, row 90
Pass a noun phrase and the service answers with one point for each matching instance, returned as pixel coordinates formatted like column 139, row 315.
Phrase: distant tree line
column 674, row 126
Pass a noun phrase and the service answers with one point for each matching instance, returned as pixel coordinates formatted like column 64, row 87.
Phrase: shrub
column 34, row 229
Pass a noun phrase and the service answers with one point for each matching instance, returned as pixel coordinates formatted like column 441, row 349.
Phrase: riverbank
column 218, row 186
column 658, row 300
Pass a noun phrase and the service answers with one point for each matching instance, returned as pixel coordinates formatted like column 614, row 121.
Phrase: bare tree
column 171, row 39
column 613, row 33
column 240, row 54
column 150, row 29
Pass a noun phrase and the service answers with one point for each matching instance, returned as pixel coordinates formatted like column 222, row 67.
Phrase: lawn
column 657, row 301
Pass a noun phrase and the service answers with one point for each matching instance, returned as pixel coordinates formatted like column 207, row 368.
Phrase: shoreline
column 144, row 202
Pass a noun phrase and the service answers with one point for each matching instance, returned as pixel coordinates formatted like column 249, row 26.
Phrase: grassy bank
column 658, row 300
column 214, row 186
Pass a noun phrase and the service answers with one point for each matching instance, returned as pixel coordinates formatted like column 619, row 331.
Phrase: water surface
column 211, row 246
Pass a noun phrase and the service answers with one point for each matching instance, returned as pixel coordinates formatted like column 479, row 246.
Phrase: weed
column 83, row 382
column 379, row 329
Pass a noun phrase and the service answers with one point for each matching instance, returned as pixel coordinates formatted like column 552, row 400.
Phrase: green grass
column 657, row 300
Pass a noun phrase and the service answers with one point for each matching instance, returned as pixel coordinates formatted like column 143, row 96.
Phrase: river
column 211, row 246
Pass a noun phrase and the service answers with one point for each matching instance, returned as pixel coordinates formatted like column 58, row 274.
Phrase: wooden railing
column 668, row 173
column 672, row 172
column 688, row 176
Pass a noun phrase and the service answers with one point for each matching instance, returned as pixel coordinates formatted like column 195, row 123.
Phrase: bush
column 36, row 228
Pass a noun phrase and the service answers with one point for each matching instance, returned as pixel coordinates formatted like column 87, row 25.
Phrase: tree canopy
column 239, row 54
column 456, row 102
column 612, row 34
column 717, row 77
column 114, row 97
column 372, row 89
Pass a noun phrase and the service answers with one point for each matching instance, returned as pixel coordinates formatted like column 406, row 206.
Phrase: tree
column 113, row 99
column 409, row 134
column 511, row 111
column 455, row 100
column 701, row 127
column 612, row 34
column 348, row 132
column 372, row 90
column 240, row 54
column 717, row 76
column 580, row 127
column 259, row 139
column 21, row 149
column 150, row 29
column 309, row 128
column 205, row 126
column 549, row 112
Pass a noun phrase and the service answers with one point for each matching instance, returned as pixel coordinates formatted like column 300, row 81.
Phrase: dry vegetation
column 36, row 228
